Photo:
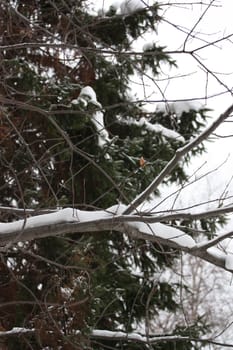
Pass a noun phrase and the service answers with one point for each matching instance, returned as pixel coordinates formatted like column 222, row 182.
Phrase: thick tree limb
column 180, row 153
column 69, row 220
column 100, row 334
column 147, row 217
column 16, row 332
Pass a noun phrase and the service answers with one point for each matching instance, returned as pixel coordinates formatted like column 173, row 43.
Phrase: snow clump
column 156, row 128
column 88, row 96
column 178, row 107
column 130, row 6
column 148, row 46
column 124, row 8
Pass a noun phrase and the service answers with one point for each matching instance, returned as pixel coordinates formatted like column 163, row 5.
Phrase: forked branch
column 180, row 153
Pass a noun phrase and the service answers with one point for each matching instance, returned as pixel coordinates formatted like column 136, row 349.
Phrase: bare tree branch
column 214, row 241
column 22, row 212
column 181, row 214
column 197, row 22
column 180, row 153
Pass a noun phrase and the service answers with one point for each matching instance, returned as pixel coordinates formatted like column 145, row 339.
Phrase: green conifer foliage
column 53, row 155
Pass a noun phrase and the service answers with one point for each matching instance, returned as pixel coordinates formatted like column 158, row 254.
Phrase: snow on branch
column 151, row 339
column 16, row 332
column 135, row 337
column 178, row 107
column 71, row 220
column 101, row 334
column 156, row 128
column 86, row 97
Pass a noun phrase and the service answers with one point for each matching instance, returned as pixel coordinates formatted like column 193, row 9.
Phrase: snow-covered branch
column 152, row 339
column 100, row 334
column 155, row 128
column 70, row 220
column 16, row 332
column 135, row 337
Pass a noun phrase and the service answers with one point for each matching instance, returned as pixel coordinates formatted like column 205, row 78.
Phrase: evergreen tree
column 71, row 135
